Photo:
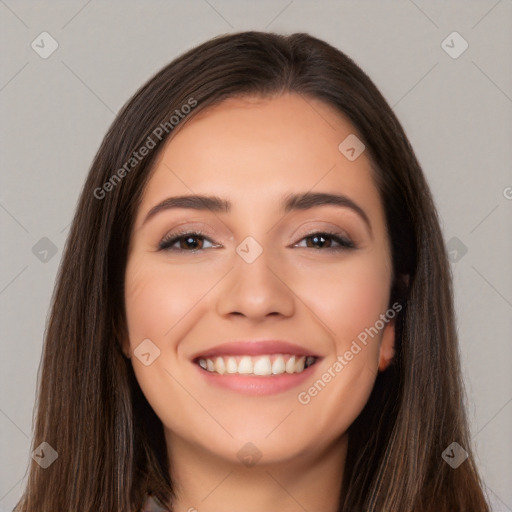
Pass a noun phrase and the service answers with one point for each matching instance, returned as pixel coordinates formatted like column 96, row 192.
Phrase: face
column 253, row 290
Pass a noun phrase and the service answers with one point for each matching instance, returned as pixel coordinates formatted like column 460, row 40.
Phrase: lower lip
column 257, row 385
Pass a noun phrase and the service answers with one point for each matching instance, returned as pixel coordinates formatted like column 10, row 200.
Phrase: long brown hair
column 90, row 409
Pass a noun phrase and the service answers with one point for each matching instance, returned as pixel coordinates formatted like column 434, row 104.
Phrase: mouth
column 263, row 365
column 256, row 367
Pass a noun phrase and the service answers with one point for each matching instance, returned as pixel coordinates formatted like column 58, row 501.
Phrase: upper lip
column 254, row 348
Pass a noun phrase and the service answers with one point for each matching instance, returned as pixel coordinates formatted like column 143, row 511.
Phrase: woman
column 254, row 308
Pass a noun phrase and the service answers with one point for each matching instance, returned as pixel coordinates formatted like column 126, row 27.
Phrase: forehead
column 255, row 150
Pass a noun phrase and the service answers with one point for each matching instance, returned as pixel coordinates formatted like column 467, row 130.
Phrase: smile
column 261, row 365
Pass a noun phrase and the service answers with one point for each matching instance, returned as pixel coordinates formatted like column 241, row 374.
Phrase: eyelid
column 174, row 235
column 330, row 230
column 306, row 229
column 344, row 241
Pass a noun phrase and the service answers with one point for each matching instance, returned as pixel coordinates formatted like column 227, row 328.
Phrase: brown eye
column 325, row 240
column 188, row 242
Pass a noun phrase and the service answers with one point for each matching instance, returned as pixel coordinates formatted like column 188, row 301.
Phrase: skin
column 254, row 151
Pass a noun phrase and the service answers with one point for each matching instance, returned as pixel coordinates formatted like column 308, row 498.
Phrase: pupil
column 316, row 239
column 189, row 239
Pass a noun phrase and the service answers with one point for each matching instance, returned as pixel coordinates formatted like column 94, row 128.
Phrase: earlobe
column 122, row 340
column 126, row 350
column 387, row 346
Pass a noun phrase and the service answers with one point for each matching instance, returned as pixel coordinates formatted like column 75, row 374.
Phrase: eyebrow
column 291, row 202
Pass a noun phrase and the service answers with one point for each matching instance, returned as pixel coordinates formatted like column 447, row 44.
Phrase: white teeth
column 232, row 365
column 290, row 365
column 263, row 366
column 277, row 364
column 220, row 367
column 245, row 365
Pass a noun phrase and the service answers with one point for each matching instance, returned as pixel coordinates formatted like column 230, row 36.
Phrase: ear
column 126, row 349
column 122, row 340
column 387, row 345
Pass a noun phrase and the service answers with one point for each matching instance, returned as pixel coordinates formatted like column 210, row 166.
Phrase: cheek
column 160, row 303
column 347, row 298
column 157, row 297
column 349, row 302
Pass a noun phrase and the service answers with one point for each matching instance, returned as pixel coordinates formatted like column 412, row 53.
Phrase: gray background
column 457, row 113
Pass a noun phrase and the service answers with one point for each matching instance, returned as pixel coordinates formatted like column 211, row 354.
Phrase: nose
column 256, row 289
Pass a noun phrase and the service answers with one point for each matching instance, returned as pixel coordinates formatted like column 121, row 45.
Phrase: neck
column 205, row 482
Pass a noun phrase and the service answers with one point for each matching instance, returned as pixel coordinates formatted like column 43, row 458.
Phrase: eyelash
column 168, row 241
